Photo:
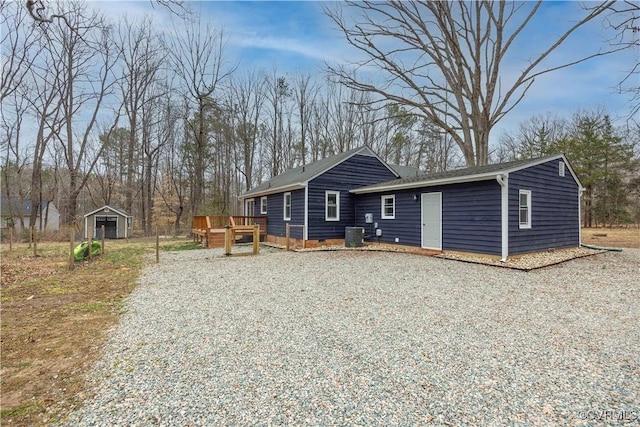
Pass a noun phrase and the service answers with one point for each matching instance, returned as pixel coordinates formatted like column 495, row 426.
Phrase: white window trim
column 561, row 169
column 326, row 205
column 524, row 225
column 382, row 199
column 284, row 206
column 263, row 205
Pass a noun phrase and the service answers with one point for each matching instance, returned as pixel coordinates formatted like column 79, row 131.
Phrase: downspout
column 580, row 191
column 503, row 180
column 305, row 230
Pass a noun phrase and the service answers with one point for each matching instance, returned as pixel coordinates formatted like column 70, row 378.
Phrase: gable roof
column 478, row 173
column 299, row 177
column 19, row 207
column 118, row 211
column 405, row 171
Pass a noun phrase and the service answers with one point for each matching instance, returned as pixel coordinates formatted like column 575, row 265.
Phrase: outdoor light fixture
column 415, row 197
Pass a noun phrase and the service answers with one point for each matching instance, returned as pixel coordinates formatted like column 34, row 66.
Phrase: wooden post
column 35, row 241
column 256, row 239
column 72, row 233
column 102, row 247
column 90, row 240
column 30, row 235
column 227, row 240
column 10, row 238
column 287, row 234
column 157, row 246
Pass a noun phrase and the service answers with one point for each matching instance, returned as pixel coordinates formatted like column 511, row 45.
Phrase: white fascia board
column 428, row 183
column 274, row 190
column 119, row 212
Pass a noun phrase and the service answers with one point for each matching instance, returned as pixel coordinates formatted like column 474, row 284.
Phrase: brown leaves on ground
column 54, row 323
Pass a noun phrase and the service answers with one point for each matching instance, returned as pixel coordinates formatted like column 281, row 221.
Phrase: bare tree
column 198, row 57
column 443, row 60
column 278, row 92
column 625, row 21
column 304, row 93
column 38, row 9
column 84, row 76
column 534, row 137
column 248, row 98
column 18, row 37
column 143, row 60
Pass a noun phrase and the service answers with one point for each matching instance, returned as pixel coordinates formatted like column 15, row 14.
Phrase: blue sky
column 296, row 37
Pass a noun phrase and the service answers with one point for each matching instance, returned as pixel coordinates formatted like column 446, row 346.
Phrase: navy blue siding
column 554, row 209
column 470, row 216
column 275, row 214
column 356, row 171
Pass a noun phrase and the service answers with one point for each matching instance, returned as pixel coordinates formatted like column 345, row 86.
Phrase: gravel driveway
column 370, row 338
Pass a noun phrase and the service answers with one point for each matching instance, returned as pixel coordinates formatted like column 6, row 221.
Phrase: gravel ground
column 372, row 338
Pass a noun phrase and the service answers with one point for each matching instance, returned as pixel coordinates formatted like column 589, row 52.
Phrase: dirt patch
column 54, row 323
column 612, row 237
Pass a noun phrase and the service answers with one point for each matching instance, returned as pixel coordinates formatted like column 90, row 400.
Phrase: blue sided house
column 502, row 209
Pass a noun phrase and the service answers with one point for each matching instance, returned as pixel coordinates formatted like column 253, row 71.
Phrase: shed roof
column 116, row 210
column 477, row 173
column 299, row 176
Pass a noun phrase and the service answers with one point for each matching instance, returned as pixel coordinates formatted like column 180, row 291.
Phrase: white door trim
column 435, row 197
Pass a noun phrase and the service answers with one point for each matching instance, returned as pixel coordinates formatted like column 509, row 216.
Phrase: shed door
column 432, row 220
column 110, row 227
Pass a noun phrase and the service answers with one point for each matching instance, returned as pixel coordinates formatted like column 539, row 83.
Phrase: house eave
column 430, row 183
column 274, row 190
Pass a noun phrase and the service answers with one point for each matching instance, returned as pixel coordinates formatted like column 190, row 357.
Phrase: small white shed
column 117, row 223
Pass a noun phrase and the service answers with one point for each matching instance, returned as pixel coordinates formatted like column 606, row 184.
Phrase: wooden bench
column 211, row 228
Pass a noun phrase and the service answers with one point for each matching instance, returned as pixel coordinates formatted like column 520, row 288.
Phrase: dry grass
column 612, row 237
column 54, row 322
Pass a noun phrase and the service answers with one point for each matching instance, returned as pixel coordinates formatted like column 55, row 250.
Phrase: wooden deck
column 210, row 229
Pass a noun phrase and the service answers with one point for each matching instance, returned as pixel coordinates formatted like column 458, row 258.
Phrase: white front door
column 432, row 220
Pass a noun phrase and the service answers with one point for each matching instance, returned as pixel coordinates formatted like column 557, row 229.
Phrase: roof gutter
column 273, row 190
column 503, row 180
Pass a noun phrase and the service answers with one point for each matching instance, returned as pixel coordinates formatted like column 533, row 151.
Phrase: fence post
column 72, row 233
column 30, row 238
column 157, row 246
column 11, row 238
column 227, row 240
column 102, row 231
column 35, row 241
column 90, row 240
column 256, row 239
column 287, row 234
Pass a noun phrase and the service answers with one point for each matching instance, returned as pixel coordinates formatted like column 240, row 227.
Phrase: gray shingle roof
column 18, row 207
column 478, row 172
column 297, row 177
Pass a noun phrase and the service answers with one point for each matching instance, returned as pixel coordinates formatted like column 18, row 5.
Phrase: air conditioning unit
column 353, row 237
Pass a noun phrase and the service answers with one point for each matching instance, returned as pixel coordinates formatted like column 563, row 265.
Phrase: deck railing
column 204, row 222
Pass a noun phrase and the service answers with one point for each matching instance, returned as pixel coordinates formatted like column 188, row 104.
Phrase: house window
column 389, row 207
column 263, row 205
column 287, row 206
column 525, row 209
column 561, row 168
column 332, row 206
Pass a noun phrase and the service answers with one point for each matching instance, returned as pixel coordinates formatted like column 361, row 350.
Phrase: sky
column 295, row 37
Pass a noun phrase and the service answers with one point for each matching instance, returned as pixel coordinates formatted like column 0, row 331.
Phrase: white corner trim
column 503, row 180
